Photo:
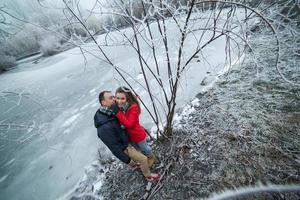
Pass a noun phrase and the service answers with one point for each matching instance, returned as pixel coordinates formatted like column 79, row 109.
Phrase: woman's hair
column 131, row 98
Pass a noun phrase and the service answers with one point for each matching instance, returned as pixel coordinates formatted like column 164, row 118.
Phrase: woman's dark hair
column 130, row 97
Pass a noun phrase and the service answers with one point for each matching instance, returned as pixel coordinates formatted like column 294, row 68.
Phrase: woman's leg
column 135, row 145
column 144, row 147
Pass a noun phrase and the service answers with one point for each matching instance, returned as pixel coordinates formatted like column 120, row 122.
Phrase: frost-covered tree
column 177, row 25
column 24, row 26
column 234, row 21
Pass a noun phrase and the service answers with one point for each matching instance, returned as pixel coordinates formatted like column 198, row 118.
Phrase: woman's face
column 120, row 98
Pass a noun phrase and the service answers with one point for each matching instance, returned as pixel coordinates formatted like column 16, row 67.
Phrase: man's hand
column 114, row 108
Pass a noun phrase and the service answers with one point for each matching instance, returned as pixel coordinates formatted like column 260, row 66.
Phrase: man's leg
column 139, row 157
column 151, row 160
column 144, row 146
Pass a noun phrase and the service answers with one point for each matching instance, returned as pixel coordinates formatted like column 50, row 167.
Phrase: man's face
column 108, row 100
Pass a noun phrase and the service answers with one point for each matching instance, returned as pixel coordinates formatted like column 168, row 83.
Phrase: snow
column 185, row 114
column 98, row 185
column 195, row 102
column 140, row 76
column 3, row 178
column 93, row 91
column 91, row 104
column 10, row 162
column 69, row 121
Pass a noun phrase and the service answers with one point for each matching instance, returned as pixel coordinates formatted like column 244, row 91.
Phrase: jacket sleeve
column 132, row 117
column 111, row 142
column 95, row 121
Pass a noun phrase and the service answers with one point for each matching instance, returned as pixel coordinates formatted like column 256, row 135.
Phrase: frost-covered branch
column 268, row 23
column 147, row 28
column 251, row 190
column 105, row 55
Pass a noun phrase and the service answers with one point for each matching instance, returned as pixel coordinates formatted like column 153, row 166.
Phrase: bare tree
column 165, row 28
column 230, row 20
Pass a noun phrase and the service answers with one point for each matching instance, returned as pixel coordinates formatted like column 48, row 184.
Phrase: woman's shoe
column 153, row 177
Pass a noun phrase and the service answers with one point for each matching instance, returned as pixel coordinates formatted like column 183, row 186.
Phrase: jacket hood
column 102, row 118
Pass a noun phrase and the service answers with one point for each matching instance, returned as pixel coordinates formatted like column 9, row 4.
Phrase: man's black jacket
column 110, row 132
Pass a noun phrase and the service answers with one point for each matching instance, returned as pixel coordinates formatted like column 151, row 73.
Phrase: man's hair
column 101, row 95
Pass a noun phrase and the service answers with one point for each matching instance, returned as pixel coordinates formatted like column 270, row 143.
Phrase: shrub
column 49, row 45
column 75, row 29
column 22, row 43
column 6, row 62
column 94, row 24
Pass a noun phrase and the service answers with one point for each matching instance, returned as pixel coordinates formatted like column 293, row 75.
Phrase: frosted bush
column 23, row 43
column 6, row 62
column 94, row 24
column 75, row 29
column 49, row 45
column 47, row 17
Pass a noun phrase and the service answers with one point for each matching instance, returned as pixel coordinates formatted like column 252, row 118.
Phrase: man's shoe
column 135, row 165
column 153, row 177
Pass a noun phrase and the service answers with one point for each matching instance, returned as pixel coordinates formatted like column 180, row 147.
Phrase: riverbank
column 242, row 132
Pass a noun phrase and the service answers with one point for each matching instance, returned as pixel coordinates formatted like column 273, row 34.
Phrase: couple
column 117, row 123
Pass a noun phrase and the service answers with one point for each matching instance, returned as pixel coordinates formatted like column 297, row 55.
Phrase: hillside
column 242, row 132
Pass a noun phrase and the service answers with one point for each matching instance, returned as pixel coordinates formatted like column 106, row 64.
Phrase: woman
column 128, row 116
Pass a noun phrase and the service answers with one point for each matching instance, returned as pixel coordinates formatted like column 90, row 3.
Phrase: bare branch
column 246, row 191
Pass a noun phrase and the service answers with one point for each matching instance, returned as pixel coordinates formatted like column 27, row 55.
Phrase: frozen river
column 47, row 133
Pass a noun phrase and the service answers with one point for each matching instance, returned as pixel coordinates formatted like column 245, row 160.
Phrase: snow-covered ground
column 47, row 134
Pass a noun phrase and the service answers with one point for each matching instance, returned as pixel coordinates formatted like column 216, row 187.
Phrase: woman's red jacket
column 130, row 120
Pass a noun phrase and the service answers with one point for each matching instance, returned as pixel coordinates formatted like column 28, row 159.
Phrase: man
column 112, row 135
